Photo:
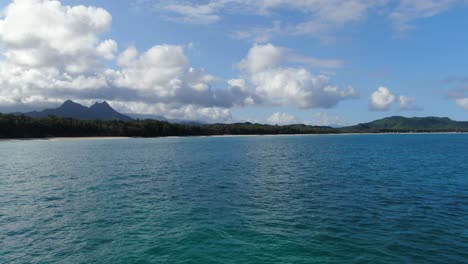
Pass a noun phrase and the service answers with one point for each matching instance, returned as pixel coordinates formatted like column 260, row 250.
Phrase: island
column 100, row 120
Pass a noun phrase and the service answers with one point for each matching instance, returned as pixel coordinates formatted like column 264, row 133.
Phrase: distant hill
column 98, row 111
column 21, row 126
column 405, row 124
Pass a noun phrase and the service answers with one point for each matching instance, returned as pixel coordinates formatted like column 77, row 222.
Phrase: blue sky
column 308, row 61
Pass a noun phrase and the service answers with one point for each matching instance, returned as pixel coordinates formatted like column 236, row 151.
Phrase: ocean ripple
column 284, row 199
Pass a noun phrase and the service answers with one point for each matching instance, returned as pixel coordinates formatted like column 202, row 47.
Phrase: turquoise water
column 281, row 199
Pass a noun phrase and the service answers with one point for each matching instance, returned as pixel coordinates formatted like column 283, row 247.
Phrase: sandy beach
column 85, row 138
column 225, row 136
column 63, row 138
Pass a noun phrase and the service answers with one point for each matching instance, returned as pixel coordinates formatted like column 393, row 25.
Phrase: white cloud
column 279, row 118
column 127, row 56
column 384, row 98
column 238, row 83
column 267, row 56
column 459, row 95
column 314, row 62
column 294, row 86
column 319, row 15
column 298, row 87
column 40, row 33
column 164, row 74
column 325, row 16
column 158, row 72
column 318, row 18
column 463, row 102
column 107, row 49
column 262, row 57
column 259, row 34
column 54, row 52
column 51, row 50
column 325, row 119
column 200, row 14
column 407, row 103
column 409, row 10
column 176, row 111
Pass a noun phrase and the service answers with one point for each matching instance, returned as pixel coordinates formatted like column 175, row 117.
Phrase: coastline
column 63, row 138
column 226, row 136
column 85, row 138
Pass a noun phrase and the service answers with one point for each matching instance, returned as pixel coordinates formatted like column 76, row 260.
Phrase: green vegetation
column 399, row 124
column 21, row 126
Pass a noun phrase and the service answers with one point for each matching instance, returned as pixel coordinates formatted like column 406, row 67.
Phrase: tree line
column 21, row 126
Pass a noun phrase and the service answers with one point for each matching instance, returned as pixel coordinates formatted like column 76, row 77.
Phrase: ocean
column 253, row 199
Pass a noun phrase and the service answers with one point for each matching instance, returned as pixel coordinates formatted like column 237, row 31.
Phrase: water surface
column 263, row 199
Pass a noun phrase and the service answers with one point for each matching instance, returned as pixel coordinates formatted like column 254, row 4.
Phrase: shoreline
column 84, row 138
column 225, row 136
column 62, row 138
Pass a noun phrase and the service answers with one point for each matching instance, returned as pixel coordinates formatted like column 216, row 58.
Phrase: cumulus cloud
column 263, row 56
column 384, row 98
column 107, row 49
column 43, row 33
column 294, row 86
column 279, row 118
column 53, row 52
column 177, row 111
column 160, row 73
column 163, row 74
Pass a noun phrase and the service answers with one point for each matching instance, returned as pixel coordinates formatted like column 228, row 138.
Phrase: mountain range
column 103, row 111
column 98, row 111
